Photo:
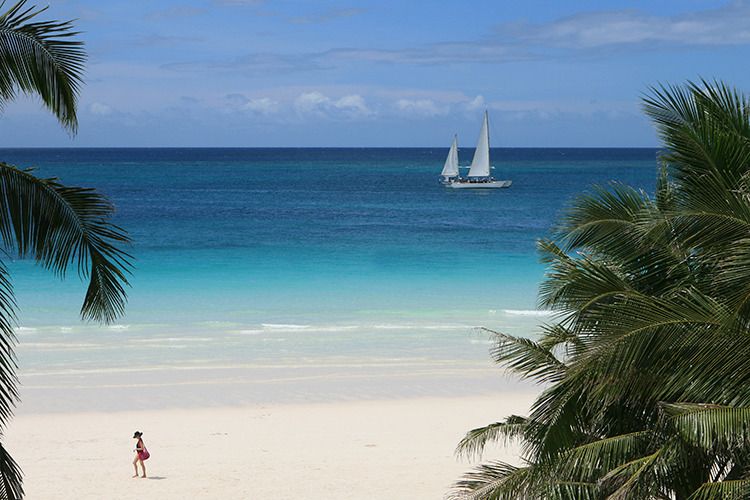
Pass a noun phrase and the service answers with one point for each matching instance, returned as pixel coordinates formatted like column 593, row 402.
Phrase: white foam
column 393, row 326
column 284, row 326
column 65, row 346
column 25, row 329
column 173, row 339
column 528, row 312
column 332, row 328
column 220, row 324
column 249, row 332
column 288, row 328
column 119, row 327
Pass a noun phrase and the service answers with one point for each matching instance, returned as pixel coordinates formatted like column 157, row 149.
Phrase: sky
column 277, row 73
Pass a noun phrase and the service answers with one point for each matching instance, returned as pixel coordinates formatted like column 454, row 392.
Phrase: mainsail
column 480, row 165
column 450, row 169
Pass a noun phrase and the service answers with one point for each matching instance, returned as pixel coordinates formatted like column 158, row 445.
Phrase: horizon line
column 325, row 147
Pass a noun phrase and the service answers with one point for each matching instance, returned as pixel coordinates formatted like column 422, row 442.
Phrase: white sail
column 480, row 165
column 450, row 169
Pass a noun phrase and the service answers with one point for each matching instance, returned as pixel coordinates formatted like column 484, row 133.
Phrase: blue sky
column 382, row 73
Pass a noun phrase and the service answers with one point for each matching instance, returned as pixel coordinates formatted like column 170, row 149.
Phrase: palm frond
column 640, row 483
column 574, row 490
column 603, row 218
column 60, row 226
column 475, row 441
column 723, row 490
column 525, row 357
column 11, row 487
column 41, row 57
column 493, row 481
column 8, row 379
column 652, row 308
column 708, row 425
column 590, row 461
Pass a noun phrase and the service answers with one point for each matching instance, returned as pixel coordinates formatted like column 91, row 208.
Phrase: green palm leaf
column 41, row 57
column 723, row 490
column 11, row 487
column 61, row 226
column 493, row 481
column 592, row 460
column 526, row 357
column 475, row 441
column 8, row 380
column 708, row 425
column 652, row 306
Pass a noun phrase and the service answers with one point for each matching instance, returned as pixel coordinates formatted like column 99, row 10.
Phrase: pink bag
column 143, row 455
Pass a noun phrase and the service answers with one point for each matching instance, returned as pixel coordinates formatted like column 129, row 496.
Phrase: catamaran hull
column 480, row 185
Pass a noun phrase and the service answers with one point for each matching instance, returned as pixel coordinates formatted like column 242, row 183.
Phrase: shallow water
column 291, row 256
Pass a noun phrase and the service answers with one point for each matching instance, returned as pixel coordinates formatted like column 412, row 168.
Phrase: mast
column 480, row 164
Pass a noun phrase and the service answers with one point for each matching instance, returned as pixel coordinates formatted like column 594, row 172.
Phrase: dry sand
column 392, row 449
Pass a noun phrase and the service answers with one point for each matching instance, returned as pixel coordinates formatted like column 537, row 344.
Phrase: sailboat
column 450, row 169
column 479, row 176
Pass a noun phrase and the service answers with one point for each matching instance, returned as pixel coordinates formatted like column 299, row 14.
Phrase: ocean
column 306, row 257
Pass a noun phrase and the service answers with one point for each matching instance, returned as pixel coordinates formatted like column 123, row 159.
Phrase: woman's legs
column 143, row 466
column 135, row 465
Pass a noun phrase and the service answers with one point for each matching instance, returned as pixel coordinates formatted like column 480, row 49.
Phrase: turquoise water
column 293, row 255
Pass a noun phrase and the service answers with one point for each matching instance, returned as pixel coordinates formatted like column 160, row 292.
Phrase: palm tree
column 645, row 373
column 58, row 226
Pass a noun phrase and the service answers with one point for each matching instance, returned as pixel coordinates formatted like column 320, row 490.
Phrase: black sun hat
column 137, row 434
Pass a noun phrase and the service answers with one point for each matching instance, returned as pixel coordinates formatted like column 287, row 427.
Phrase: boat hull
column 480, row 185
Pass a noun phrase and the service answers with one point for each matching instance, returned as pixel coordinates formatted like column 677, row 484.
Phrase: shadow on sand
column 156, row 478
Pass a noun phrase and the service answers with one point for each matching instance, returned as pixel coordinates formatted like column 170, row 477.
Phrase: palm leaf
column 60, row 226
column 723, row 490
column 574, row 490
column 525, row 357
column 8, row 379
column 11, row 477
column 708, row 425
column 475, row 441
column 653, row 307
column 41, row 57
column 641, row 482
column 591, row 461
column 493, row 481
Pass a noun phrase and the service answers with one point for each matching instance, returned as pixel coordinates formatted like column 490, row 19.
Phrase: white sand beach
column 390, row 449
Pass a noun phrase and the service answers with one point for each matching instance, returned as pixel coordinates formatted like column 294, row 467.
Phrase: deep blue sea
column 261, row 255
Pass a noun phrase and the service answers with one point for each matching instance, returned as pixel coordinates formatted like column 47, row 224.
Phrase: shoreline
column 174, row 387
column 366, row 449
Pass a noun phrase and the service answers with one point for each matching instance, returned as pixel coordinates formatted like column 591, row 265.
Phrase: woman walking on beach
column 141, row 454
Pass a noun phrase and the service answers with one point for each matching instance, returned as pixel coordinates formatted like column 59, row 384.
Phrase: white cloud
column 476, row 103
column 436, row 53
column 726, row 25
column 582, row 33
column 311, row 102
column 263, row 106
column 354, row 105
column 421, row 107
column 348, row 106
column 100, row 109
column 546, row 109
column 258, row 105
column 255, row 64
